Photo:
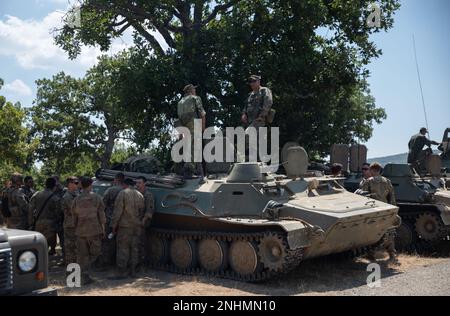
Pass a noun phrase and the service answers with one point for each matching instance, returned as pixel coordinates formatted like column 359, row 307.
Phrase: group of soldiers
column 257, row 113
column 94, row 232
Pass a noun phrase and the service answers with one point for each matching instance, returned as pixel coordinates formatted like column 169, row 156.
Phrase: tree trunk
column 109, row 147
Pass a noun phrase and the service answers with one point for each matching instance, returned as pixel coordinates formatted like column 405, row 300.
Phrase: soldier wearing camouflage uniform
column 258, row 105
column 108, row 257
column 27, row 188
column 149, row 209
column 381, row 189
column 89, row 220
column 416, row 144
column 45, row 209
column 190, row 108
column 127, row 225
column 17, row 203
column 70, row 255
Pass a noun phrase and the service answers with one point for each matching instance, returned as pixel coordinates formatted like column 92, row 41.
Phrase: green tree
column 313, row 54
column 77, row 119
column 16, row 148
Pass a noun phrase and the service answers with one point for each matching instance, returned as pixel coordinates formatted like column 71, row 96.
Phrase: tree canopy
column 313, row 54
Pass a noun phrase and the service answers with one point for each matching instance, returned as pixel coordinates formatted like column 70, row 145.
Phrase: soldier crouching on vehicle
column 88, row 213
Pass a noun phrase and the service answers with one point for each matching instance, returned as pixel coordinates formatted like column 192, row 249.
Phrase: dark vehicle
column 424, row 204
column 23, row 263
column 249, row 224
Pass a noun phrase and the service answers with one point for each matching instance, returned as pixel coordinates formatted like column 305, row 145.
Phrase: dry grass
column 316, row 277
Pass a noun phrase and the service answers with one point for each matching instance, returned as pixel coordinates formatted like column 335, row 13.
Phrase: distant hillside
column 399, row 158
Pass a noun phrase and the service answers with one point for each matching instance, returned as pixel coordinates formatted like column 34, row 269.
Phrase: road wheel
column 183, row 253
column 212, row 255
column 158, row 249
column 406, row 236
column 243, row 257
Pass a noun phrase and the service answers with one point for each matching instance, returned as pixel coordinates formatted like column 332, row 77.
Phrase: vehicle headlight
column 27, row 261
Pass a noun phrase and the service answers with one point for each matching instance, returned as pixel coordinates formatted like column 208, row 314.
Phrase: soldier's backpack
column 6, row 212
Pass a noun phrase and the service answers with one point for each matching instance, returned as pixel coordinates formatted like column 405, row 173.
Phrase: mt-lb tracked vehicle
column 252, row 225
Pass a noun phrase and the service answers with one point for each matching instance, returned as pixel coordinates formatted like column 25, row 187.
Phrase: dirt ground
column 323, row 276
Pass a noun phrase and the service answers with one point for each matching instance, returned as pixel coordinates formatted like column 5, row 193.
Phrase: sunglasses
column 365, row 169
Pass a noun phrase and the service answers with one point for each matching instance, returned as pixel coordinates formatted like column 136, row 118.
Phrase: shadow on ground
column 317, row 276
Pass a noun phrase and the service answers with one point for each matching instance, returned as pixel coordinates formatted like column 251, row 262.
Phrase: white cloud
column 18, row 87
column 31, row 43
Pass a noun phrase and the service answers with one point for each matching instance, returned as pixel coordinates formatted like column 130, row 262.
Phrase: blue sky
column 27, row 53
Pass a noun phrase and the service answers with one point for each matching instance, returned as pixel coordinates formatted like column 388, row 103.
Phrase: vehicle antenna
column 420, row 84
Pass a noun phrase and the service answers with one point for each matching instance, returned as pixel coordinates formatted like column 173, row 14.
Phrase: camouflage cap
column 188, row 87
column 254, row 78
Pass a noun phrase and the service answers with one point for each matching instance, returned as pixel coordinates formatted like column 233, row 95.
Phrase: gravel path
column 432, row 280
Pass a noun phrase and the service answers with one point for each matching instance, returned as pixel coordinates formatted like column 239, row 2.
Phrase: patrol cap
column 424, row 130
column 189, row 87
column 254, row 78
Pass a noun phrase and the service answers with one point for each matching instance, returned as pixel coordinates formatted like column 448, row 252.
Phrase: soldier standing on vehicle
column 17, row 204
column 257, row 111
column 149, row 209
column 126, row 224
column 190, row 108
column 89, row 220
column 416, row 144
column 44, row 211
column 381, row 189
column 108, row 257
column 27, row 187
column 68, row 223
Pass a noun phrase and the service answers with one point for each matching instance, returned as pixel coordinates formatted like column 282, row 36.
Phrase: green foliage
column 16, row 147
column 312, row 53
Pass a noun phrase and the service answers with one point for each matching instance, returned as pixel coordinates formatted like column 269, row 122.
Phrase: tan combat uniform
column 18, row 207
column 108, row 257
column 190, row 108
column 89, row 220
column 256, row 108
column 127, row 221
column 380, row 189
column 47, row 221
column 69, row 227
column 149, row 209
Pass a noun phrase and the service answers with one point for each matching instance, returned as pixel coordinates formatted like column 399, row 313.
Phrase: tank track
column 292, row 258
column 419, row 245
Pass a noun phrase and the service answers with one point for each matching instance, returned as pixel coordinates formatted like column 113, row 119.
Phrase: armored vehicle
column 423, row 199
column 424, row 204
column 249, row 224
column 23, row 263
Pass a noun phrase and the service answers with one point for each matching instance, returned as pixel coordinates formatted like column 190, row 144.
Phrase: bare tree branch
column 219, row 9
column 150, row 38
